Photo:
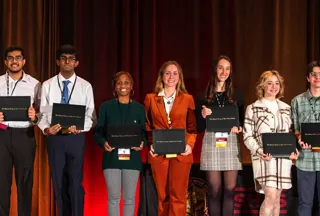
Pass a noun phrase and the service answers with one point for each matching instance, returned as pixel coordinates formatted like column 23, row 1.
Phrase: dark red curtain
column 139, row 35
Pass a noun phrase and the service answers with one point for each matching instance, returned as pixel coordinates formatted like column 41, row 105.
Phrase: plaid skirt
column 275, row 173
column 220, row 159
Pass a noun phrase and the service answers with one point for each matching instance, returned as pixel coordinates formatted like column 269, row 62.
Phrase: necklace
column 218, row 99
column 218, row 94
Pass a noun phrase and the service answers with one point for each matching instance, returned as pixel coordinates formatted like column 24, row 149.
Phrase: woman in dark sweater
column 223, row 159
column 121, row 170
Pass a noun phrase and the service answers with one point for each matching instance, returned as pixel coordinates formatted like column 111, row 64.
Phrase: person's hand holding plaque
column 294, row 155
column 73, row 129
column 152, row 151
column 53, row 130
column 263, row 156
column 304, row 145
column 205, row 111
column 32, row 114
column 138, row 148
column 1, row 117
column 236, row 130
column 107, row 147
column 187, row 151
column 301, row 143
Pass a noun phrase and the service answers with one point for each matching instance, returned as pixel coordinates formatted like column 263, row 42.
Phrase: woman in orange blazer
column 170, row 106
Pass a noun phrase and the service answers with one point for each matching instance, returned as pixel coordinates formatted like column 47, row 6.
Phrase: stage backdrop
column 138, row 36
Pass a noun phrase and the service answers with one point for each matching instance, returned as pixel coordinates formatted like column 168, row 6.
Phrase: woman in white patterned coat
column 268, row 114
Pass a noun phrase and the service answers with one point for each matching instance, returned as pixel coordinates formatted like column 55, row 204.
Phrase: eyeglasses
column 70, row 58
column 315, row 74
column 17, row 58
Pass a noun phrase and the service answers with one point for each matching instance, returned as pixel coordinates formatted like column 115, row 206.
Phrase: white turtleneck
column 271, row 105
column 274, row 108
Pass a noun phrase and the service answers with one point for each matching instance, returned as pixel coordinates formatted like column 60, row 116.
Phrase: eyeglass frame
column 314, row 74
column 17, row 58
column 65, row 58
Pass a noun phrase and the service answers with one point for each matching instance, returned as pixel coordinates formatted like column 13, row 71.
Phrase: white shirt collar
column 71, row 79
column 24, row 77
column 161, row 93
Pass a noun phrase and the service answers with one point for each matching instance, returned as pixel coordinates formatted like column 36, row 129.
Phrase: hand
column 187, row 151
column 263, row 156
column 1, row 117
column 107, row 147
column 32, row 114
column 151, row 151
column 53, row 130
column 304, row 145
column 138, row 148
column 73, row 129
column 294, row 155
column 236, row 130
column 205, row 111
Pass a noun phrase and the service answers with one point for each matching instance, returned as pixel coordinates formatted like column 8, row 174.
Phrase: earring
column 114, row 94
column 132, row 92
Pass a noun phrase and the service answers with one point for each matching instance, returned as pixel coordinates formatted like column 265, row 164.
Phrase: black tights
column 214, row 179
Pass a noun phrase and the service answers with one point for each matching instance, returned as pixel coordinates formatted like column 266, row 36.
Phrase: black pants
column 65, row 154
column 17, row 148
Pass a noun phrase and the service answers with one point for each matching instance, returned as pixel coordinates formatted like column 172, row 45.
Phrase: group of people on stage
column 168, row 107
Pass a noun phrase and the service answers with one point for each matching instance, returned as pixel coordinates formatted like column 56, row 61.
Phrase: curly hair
column 262, row 81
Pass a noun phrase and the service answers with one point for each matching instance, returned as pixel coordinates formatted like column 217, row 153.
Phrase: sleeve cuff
column 257, row 153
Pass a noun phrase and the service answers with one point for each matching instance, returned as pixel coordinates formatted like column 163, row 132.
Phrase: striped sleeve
column 249, row 136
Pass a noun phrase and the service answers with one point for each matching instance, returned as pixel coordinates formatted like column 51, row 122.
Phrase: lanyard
column 15, row 85
column 124, row 116
column 217, row 98
column 317, row 117
column 75, row 81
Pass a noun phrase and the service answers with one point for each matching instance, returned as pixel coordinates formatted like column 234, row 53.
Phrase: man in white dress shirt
column 66, row 149
column 18, row 145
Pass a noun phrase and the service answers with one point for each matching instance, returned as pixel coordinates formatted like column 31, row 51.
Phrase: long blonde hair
column 262, row 81
column 180, row 85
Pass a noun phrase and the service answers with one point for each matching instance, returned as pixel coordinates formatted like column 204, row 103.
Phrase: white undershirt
column 168, row 101
column 271, row 105
column 274, row 108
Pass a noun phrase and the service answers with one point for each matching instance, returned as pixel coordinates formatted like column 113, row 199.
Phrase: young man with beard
column 306, row 109
column 66, row 150
column 18, row 145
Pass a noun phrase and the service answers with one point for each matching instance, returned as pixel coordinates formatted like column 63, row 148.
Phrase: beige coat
column 259, row 119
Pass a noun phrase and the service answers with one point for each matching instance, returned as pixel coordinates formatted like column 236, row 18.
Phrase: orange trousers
column 171, row 179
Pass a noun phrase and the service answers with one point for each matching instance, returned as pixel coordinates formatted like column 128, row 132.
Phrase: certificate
column 169, row 141
column 279, row 144
column 124, row 135
column 222, row 119
column 310, row 134
column 68, row 115
column 15, row 108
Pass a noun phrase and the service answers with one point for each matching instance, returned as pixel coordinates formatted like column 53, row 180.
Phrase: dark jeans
column 306, row 186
